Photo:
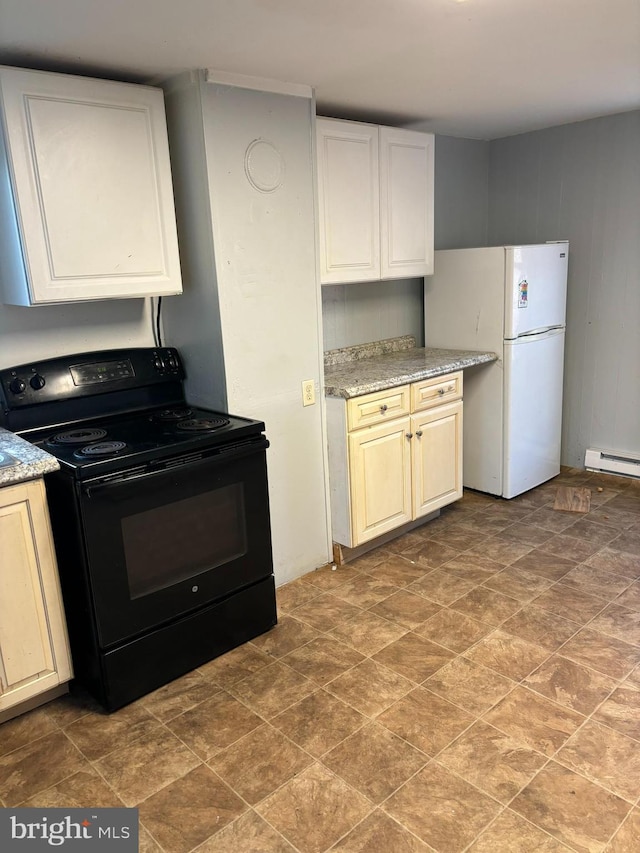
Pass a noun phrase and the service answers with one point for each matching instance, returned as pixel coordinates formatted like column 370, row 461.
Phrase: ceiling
column 476, row 68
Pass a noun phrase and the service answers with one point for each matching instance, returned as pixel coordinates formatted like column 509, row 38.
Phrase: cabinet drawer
column 433, row 392
column 377, row 407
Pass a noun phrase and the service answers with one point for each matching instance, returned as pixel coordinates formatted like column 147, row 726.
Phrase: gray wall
column 581, row 182
column 358, row 313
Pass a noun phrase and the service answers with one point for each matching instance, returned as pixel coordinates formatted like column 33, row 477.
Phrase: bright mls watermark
column 69, row 830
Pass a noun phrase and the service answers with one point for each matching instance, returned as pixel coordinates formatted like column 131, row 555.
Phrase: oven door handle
column 223, row 454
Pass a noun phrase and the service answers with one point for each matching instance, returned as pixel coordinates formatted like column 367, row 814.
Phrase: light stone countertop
column 394, row 362
column 33, row 462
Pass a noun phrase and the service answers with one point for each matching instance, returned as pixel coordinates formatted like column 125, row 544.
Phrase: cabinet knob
column 419, row 433
column 409, row 434
column 383, row 407
column 441, row 391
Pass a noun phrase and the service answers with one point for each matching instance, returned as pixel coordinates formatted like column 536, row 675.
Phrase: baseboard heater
column 610, row 462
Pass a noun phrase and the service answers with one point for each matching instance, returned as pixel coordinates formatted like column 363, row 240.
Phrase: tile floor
column 472, row 686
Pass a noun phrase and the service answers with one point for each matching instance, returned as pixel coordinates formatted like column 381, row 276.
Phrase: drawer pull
column 419, row 433
column 383, row 407
column 441, row 391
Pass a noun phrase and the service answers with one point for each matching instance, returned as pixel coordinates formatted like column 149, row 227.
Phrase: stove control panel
column 87, row 374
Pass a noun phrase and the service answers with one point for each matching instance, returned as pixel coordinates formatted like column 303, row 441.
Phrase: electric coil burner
column 160, row 515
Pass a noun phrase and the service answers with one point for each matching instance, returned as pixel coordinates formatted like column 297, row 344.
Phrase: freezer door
column 536, row 288
column 533, row 370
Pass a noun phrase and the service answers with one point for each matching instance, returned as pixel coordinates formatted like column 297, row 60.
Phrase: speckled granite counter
column 352, row 371
column 33, row 462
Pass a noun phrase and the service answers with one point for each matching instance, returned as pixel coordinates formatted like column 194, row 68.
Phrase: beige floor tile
column 38, row 765
column 369, row 687
column 459, row 537
column 374, row 761
column 190, row 810
column 97, row 734
column 626, row 838
column 570, row 684
column 492, row 761
column 73, row 705
column 314, row 810
column 179, row 696
column 570, row 808
column 319, row 722
column 511, row 833
column 551, row 519
column 534, row 720
column 570, row 547
column 619, row 562
column 322, row 659
column 25, row 729
column 540, row 627
column 628, row 542
column 145, row 766
column 331, row 576
column 295, row 594
column 550, row 566
column 378, row 833
column 272, row 689
column 441, row 587
column 325, row 612
column 606, row 757
column 247, row 834
column 508, row 655
column 589, row 530
column 500, row 550
column 399, row 570
column 368, row 633
column 569, row 603
column 630, row 597
column 619, row 622
column 469, row 685
column 146, row 843
column 406, row 608
column 259, row 763
column 287, row 635
column 596, row 582
column 214, row 724
column 235, row 665
column 453, row 630
column 428, row 553
column 621, row 711
column 413, row 657
column 425, row 720
column 473, row 567
column 365, row 590
column 517, row 583
column 82, row 790
column 487, row 605
column 605, row 654
column 525, row 534
column 442, row 809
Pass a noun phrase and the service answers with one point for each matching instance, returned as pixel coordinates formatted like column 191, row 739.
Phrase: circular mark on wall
column 264, row 166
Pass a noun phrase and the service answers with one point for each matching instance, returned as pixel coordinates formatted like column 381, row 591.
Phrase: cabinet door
column 380, row 469
column 437, row 457
column 34, row 654
column 406, row 203
column 93, row 213
column 348, row 199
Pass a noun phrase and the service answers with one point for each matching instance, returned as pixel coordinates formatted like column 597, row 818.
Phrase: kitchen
column 471, row 208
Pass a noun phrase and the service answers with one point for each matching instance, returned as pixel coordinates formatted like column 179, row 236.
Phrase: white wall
column 251, row 292
column 581, row 182
column 359, row 313
column 37, row 332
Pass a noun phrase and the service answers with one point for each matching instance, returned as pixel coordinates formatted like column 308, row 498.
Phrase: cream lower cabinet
column 394, row 456
column 34, row 650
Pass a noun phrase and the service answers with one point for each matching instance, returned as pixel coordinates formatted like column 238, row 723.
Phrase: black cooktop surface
column 92, row 448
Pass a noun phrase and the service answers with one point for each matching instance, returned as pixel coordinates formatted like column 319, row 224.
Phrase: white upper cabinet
column 375, row 197
column 86, row 199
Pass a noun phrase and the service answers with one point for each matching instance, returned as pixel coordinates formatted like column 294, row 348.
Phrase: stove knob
column 158, row 363
column 37, row 382
column 17, row 385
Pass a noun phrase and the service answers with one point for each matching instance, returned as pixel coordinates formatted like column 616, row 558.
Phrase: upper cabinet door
column 406, row 203
column 349, row 204
column 87, row 210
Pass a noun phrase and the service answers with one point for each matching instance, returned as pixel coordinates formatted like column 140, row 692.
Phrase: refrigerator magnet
column 523, row 293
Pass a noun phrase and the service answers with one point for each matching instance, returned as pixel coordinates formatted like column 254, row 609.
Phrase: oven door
column 166, row 542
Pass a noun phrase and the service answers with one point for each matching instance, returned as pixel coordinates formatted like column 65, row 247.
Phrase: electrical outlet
column 308, row 392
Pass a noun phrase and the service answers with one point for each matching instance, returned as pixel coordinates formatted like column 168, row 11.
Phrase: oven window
column 177, row 541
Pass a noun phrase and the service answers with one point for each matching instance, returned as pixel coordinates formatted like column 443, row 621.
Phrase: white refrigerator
column 511, row 300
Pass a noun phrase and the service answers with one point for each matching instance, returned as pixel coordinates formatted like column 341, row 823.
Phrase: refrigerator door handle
column 544, row 330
